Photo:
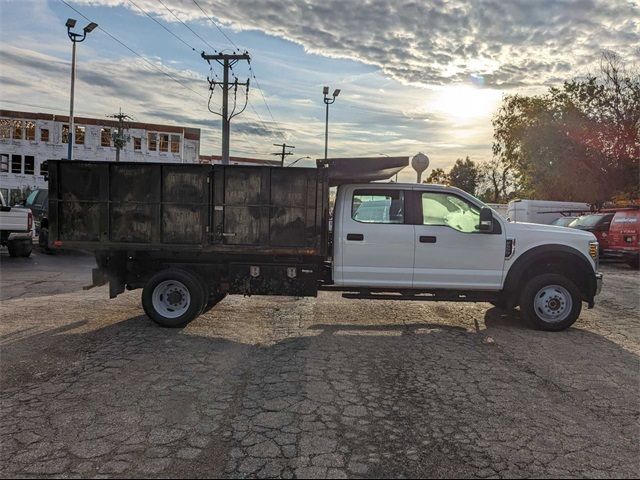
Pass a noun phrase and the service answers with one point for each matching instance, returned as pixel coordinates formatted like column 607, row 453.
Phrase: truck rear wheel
column 173, row 298
column 551, row 302
column 20, row 248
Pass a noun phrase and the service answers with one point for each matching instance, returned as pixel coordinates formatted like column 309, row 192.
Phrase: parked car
column 563, row 221
column 624, row 237
column 38, row 203
column 264, row 231
column 16, row 229
column 596, row 223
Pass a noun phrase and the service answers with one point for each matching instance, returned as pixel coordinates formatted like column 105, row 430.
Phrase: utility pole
column 227, row 61
column 119, row 138
column 284, row 153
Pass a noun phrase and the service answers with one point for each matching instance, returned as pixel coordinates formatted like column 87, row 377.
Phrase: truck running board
column 425, row 297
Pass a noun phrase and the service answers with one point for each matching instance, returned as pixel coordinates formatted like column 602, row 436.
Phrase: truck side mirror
column 486, row 220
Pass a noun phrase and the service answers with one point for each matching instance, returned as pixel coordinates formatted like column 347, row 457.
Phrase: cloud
column 505, row 44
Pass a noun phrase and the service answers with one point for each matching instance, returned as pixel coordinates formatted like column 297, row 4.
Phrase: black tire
column 532, row 292
column 635, row 263
column 214, row 299
column 20, row 248
column 192, row 310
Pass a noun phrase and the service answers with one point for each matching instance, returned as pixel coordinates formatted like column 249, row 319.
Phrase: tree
column 437, row 175
column 577, row 142
column 465, row 175
column 496, row 182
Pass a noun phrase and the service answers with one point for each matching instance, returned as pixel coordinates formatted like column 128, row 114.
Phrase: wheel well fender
column 559, row 259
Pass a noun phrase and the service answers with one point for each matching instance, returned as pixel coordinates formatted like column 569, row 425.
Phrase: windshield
column 587, row 221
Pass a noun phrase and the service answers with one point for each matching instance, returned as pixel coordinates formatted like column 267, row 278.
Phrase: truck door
column 450, row 252
column 374, row 239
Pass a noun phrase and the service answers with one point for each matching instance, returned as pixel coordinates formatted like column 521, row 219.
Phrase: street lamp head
column 70, row 23
column 336, row 92
column 325, row 90
column 89, row 28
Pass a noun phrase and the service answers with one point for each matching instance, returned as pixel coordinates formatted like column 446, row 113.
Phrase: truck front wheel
column 551, row 302
column 173, row 298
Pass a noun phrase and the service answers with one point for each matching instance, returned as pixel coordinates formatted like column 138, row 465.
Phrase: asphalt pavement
column 325, row 387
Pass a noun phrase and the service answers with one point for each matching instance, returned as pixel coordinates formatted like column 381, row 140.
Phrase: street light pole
column 328, row 101
column 75, row 38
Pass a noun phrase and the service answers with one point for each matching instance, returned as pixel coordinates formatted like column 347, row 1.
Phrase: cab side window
column 378, row 206
column 449, row 210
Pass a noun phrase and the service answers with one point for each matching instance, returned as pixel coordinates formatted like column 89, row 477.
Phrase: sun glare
column 464, row 103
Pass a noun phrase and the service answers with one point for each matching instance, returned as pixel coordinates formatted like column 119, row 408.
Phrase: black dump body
column 228, row 209
column 238, row 229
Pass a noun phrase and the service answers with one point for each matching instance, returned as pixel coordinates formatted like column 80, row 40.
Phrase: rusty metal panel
column 185, row 184
column 183, row 224
column 134, row 183
column 80, row 221
column 185, row 203
column 134, row 194
column 133, row 222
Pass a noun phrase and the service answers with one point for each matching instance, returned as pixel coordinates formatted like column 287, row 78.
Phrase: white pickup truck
column 16, row 229
column 190, row 235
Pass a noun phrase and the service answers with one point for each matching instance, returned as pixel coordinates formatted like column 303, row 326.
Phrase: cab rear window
column 378, row 206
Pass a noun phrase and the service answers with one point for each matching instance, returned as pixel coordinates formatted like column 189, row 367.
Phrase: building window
column 30, row 131
column 137, row 143
column 4, row 163
column 17, row 129
column 105, row 137
column 44, row 134
column 65, row 133
column 175, row 143
column 29, row 165
column 164, row 142
column 16, row 163
column 44, row 168
column 5, row 128
column 79, row 135
column 152, row 141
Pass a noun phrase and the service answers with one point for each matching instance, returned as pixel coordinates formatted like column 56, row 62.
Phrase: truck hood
column 548, row 231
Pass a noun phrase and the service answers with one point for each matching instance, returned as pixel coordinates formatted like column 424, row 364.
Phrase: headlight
column 593, row 250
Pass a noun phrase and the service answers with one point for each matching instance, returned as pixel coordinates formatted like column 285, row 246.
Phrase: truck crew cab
column 189, row 235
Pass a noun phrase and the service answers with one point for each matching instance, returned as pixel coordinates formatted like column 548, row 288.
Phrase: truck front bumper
column 598, row 283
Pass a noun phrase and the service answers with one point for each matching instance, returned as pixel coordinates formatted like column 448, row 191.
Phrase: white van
column 543, row 211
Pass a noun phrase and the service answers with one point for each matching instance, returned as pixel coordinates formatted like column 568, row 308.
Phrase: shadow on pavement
column 378, row 400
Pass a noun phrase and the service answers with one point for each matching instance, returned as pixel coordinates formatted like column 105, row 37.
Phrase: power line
column 187, row 26
column 163, row 26
column 134, row 52
column 216, row 25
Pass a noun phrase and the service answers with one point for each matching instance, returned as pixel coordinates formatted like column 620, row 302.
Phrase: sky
column 415, row 75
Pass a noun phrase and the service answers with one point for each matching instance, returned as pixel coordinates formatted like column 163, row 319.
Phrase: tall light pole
column 328, row 101
column 75, row 38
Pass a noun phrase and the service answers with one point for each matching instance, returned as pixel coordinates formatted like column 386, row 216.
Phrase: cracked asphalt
column 326, row 387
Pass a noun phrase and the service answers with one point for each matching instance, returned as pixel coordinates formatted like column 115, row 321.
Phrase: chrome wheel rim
column 553, row 303
column 171, row 298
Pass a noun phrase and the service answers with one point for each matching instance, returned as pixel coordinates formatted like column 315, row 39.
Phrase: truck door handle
column 427, row 239
column 358, row 237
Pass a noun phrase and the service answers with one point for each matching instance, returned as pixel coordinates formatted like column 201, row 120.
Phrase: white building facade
column 28, row 140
